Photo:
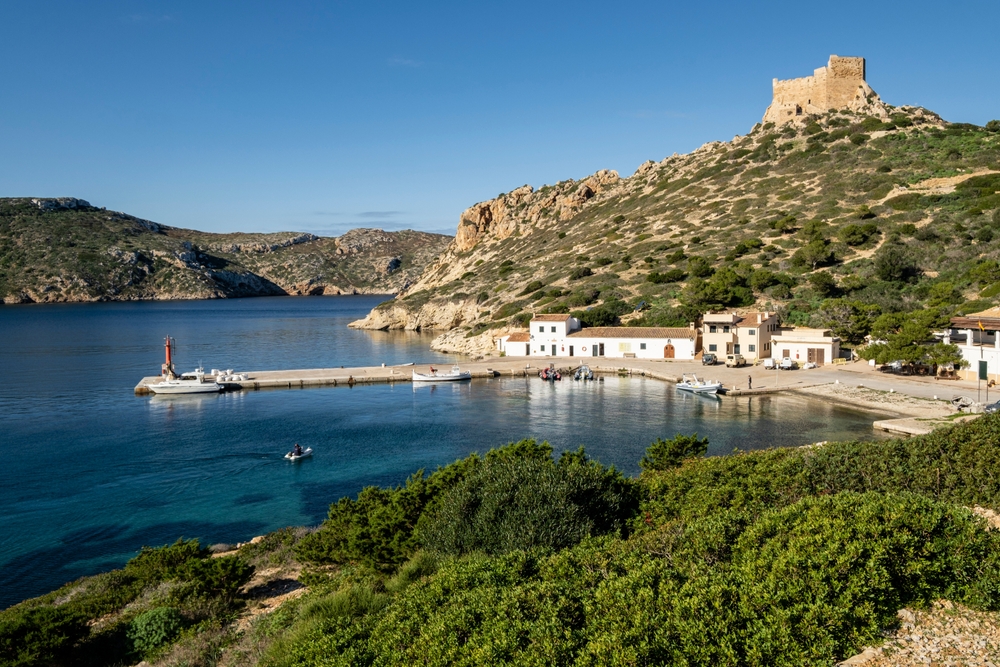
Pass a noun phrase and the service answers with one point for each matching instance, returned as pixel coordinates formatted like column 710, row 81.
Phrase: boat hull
column 169, row 388
column 700, row 390
column 448, row 377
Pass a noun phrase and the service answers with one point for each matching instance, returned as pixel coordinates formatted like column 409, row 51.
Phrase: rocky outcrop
column 396, row 315
column 258, row 246
column 522, row 209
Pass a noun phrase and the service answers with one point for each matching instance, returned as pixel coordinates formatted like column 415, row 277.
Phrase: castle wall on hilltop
column 839, row 85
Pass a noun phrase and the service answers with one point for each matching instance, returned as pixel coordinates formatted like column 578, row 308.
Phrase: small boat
column 292, row 456
column 583, row 373
column 694, row 385
column 187, row 383
column 456, row 374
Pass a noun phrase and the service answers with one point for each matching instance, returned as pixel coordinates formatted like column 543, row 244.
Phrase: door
column 668, row 352
column 553, row 350
column 600, row 352
column 811, row 355
column 571, row 350
column 820, row 356
column 784, row 353
column 527, row 349
column 736, row 349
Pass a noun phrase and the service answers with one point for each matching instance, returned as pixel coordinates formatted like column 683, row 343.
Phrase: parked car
column 992, row 407
column 788, row 364
column 709, row 359
column 735, row 361
column 769, row 363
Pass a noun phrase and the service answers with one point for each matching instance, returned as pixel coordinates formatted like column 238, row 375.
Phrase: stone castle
column 839, row 85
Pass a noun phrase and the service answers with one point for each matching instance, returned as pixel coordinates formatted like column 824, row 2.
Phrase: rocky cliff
column 67, row 250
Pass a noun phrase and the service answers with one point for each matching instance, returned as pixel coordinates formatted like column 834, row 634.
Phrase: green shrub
column 603, row 261
column 515, row 504
column 377, row 528
column 153, row 565
column 534, row 285
column 666, row 454
column 580, row 272
column 154, row 628
column 39, row 635
column 217, row 577
column 859, row 138
column 507, row 310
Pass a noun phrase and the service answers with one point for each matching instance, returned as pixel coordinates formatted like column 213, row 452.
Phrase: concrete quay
column 855, row 384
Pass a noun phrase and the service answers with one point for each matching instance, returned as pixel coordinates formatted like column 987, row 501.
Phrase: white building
column 976, row 336
column 562, row 336
column 805, row 345
column 517, row 344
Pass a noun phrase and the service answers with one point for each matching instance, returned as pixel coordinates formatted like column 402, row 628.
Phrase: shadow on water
column 102, row 548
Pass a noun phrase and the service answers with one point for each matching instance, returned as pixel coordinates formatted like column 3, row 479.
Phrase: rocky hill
column 895, row 211
column 67, row 250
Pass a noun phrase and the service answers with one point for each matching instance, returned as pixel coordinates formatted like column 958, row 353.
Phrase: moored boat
column 456, row 374
column 187, row 383
column 694, row 385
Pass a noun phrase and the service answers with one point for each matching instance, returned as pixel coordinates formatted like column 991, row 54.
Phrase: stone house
column 805, row 345
column 731, row 333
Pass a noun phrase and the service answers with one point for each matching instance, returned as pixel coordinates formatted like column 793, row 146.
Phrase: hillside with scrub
column 54, row 250
column 832, row 220
column 788, row 557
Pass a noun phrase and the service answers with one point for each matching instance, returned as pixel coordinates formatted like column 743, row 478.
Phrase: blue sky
column 323, row 116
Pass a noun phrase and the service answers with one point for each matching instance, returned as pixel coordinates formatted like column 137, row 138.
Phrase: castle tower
column 839, row 85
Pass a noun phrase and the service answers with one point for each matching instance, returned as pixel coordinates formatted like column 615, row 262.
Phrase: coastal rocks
column 481, row 345
column 396, row 315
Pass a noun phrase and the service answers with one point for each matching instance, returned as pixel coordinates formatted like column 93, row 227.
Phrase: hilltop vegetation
column 832, row 221
column 67, row 250
column 774, row 558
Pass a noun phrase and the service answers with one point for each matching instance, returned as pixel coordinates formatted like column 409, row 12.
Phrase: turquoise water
column 89, row 472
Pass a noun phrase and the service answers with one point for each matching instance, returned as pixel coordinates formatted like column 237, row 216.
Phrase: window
column 713, row 347
column 624, row 347
column 553, row 329
column 642, row 346
column 541, row 329
column 712, row 328
column 752, row 332
column 725, row 329
column 752, row 348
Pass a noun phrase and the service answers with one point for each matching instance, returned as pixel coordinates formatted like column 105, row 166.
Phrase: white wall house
column 976, row 336
column 805, row 345
column 636, row 342
column 517, row 344
column 562, row 336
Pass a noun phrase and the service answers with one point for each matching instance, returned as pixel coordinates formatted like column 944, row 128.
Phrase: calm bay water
column 89, row 472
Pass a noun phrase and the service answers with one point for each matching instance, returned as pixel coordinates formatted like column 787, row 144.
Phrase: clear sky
column 323, row 116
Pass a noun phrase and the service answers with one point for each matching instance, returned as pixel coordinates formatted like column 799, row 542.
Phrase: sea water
column 89, row 472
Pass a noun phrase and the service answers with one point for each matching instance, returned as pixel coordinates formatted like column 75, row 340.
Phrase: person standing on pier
column 749, row 382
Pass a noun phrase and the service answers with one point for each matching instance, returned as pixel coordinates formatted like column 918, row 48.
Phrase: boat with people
column 456, row 374
column 583, row 373
column 299, row 453
column 550, row 374
column 694, row 385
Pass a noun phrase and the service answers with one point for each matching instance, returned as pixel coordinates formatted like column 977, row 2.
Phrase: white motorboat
column 694, row 385
column 292, row 456
column 187, row 383
column 456, row 374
